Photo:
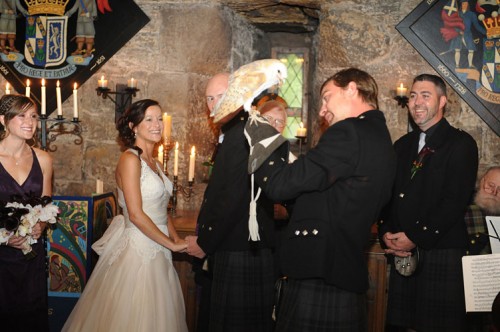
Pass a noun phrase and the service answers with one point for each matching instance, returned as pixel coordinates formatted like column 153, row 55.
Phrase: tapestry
column 461, row 41
column 45, row 42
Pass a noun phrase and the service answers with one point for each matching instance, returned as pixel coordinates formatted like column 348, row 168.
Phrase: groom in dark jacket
column 437, row 167
column 339, row 187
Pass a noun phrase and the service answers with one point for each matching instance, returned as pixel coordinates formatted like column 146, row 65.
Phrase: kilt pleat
column 313, row 306
column 242, row 291
column 433, row 298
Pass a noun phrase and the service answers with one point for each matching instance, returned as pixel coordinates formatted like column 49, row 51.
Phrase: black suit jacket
column 224, row 213
column 340, row 186
column 430, row 207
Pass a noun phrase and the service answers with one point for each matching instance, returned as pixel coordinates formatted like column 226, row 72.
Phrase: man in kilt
column 425, row 221
column 339, row 187
column 242, row 270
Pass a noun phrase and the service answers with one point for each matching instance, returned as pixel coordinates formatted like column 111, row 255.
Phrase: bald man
column 242, row 270
column 215, row 89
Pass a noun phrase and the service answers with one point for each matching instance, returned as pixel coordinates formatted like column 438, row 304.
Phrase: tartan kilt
column 242, row 291
column 433, row 298
column 312, row 305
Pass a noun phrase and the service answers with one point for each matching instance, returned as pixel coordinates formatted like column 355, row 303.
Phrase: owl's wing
column 241, row 89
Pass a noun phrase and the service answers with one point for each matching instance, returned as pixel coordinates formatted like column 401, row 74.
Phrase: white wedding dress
column 134, row 286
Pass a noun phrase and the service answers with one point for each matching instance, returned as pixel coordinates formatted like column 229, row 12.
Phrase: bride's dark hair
column 130, row 119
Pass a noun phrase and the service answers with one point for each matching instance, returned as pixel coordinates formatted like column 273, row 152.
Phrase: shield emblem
column 45, row 42
column 490, row 71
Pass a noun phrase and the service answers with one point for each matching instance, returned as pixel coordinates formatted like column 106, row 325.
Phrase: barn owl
column 246, row 83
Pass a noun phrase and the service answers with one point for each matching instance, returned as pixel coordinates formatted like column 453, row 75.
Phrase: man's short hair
column 438, row 82
column 367, row 87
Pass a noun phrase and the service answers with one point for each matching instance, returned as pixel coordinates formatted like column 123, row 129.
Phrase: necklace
column 17, row 160
column 152, row 166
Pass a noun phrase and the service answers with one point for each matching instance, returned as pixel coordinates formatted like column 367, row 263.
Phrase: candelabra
column 58, row 126
column 186, row 193
column 123, row 99
column 167, row 145
column 301, row 139
column 402, row 101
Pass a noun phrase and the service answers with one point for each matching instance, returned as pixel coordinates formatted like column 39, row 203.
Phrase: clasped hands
column 193, row 248
column 18, row 241
column 398, row 244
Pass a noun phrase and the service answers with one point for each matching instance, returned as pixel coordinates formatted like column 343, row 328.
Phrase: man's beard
column 490, row 204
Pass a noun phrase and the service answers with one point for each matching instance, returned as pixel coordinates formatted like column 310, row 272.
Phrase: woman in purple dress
column 23, row 171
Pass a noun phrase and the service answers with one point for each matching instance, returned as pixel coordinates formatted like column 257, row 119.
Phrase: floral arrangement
column 419, row 162
column 19, row 216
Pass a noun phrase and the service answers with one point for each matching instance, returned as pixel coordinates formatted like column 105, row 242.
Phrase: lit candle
column 132, row 83
column 301, row 131
column 176, row 159
column 167, row 126
column 160, row 154
column 401, row 90
column 191, row 164
column 75, row 101
column 44, row 103
column 58, row 98
column 28, row 89
column 102, row 83
column 7, row 88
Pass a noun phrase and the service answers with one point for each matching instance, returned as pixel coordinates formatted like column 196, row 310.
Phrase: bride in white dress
column 134, row 286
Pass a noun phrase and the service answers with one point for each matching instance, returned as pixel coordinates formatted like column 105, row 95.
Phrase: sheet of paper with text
column 481, row 281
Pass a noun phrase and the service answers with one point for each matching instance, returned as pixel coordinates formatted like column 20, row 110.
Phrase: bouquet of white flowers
column 19, row 216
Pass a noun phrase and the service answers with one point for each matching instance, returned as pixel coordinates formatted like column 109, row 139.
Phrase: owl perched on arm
column 246, row 83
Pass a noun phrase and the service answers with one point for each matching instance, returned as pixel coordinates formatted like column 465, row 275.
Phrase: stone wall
column 187, row 41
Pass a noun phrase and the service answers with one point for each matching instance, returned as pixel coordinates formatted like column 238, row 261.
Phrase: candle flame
column 57, row 84
column 43, row 81
column 160, row 149
column 7, row 86
column 74, row 86
column 301, row 125
column 102, row 78
column 193, row 150
column 401, row 86
column 177, row 145
column 27, row 82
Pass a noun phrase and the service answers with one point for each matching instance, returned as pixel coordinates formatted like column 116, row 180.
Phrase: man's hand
column 193, row 248
column 398, row 244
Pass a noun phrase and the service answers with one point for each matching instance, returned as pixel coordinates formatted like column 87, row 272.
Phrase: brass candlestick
column 168, row 144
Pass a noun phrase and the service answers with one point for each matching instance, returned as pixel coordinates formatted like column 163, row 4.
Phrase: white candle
column 99, row 187
column 132, row 83
column 401, row 90
column 301, row 131
column 191, row 164
column 102, row 83
column 59, row 101
column 7, row 88
column 160, row 154
column 167, row 126
column 75, row 101
column 44, row 103
column 28, row 89
column 176, row 159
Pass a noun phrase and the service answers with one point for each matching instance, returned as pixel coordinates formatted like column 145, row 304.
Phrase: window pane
column 292, row 88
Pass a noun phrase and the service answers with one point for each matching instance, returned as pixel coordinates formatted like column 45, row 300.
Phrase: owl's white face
column 280, row 72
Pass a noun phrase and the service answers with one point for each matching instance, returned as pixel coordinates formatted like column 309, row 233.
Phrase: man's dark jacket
column 430, row 208
column 340, row 186
column 224, row 213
